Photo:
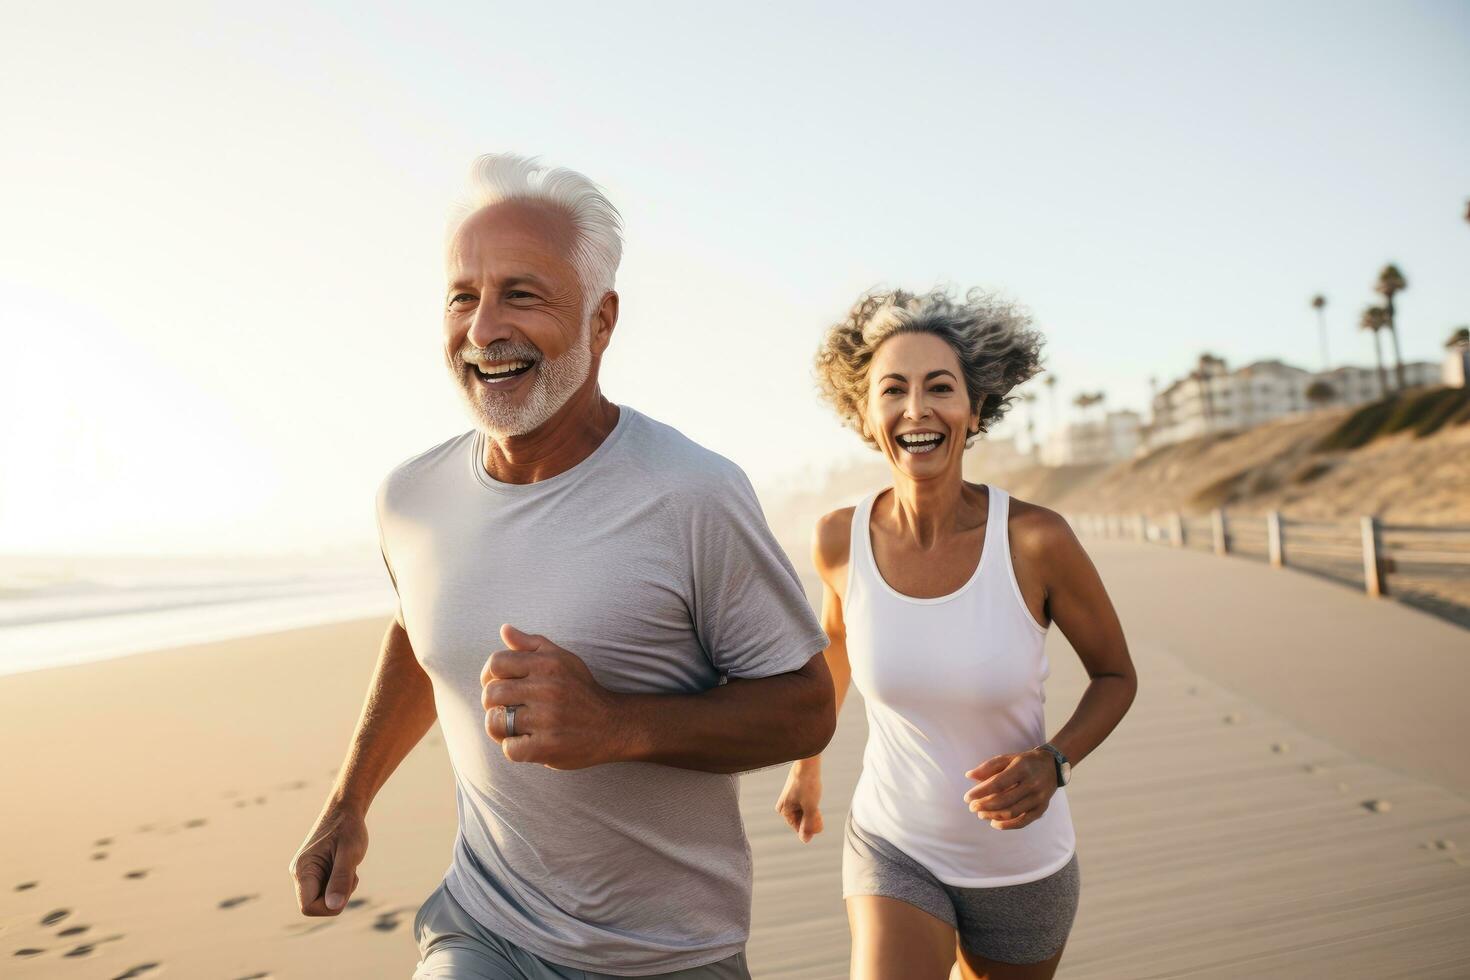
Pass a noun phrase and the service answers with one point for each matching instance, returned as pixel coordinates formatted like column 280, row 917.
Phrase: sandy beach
column 1284, row 800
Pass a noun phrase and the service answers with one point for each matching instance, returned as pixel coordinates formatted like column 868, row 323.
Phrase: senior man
column 597, row 613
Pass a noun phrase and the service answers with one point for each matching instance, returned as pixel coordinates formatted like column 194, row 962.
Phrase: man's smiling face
column 516, row 336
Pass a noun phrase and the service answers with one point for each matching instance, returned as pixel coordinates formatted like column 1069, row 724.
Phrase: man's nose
column 488, row 326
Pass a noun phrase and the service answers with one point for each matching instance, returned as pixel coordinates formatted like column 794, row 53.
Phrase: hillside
column 1330, row 465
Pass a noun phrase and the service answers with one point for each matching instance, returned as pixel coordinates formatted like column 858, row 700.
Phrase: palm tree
column 1459, row 338
column 1375, row 318
column 1391, row 281
column 1051, row 396
column 1319, row 303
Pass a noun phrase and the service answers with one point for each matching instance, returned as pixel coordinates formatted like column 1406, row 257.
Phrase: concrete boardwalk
column 1224, row 829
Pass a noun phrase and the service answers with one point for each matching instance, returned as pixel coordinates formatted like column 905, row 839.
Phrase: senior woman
column 937, row 598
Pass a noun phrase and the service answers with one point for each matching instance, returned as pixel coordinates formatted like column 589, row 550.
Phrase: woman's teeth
column 921, row 442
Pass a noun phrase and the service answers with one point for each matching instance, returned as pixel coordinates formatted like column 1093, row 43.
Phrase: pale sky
column 220, row 272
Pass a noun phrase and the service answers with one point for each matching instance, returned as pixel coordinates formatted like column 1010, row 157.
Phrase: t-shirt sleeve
column 383, row 550
column 750, row 611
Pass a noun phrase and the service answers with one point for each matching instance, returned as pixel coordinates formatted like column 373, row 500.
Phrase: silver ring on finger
column 510, row 720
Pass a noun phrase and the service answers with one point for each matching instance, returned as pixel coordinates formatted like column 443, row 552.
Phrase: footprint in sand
column 28, row 952
column 77, row 952
column 135, row 875
column 53, row 917
column 1376, row 806
column 255, row 976
column 1232, row 719
column 146, row 828
column 354, row 903
column 73, row 930
column 196, row 822
column 1280, row 748
column 141, row 970
column 306, row 929
column 388, row 921
column 237, row 900
column 26, row 886
column 295, row 784
column 100, row 856
column 1311, row 768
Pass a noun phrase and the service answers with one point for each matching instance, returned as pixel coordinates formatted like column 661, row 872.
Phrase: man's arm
column 566, row 720
column 398, row 711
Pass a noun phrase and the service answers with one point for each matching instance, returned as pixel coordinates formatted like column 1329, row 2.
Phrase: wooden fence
column 1430, row 560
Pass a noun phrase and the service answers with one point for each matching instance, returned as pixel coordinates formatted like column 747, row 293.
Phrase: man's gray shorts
column 453, row 946
column 1024, row 923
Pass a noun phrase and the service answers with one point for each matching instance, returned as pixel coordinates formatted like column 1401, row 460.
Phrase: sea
column 56, row 611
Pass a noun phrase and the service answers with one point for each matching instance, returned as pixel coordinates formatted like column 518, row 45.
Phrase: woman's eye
column 893, row 390
column 941, row 388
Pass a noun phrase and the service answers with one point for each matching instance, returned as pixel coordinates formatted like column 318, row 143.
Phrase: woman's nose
column 916, row 408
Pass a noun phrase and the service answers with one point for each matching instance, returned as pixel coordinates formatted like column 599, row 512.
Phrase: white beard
column 556, row 380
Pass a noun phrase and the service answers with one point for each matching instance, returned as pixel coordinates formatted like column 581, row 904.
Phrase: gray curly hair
column 996, row 346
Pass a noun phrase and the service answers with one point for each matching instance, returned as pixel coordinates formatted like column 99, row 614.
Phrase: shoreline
column 73, row 643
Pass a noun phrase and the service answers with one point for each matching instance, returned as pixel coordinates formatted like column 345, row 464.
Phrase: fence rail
column 1426, row 564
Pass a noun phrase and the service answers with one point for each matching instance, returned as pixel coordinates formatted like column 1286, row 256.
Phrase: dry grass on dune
column 1321, row 466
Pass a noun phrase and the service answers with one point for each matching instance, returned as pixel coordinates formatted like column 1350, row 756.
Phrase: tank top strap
column 860, row 544
column 997, row 520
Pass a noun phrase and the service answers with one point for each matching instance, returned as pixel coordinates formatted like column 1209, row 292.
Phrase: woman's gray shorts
column 1024, row 923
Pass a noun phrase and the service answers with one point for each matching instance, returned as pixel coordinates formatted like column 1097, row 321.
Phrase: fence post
column 1222, row 532
column 1176, row 530
column 1143, row 528
column 1374, row 581
column 1273, row 538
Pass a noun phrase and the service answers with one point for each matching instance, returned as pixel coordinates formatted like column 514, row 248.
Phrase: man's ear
column 604, row 321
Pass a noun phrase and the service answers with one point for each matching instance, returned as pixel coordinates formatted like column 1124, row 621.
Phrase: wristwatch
column 1064, row 768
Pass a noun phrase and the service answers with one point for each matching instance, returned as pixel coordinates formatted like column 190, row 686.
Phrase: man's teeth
column 495, row 370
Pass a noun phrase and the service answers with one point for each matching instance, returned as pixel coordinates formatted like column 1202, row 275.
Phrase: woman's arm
column 1057, row 576
column 800, row 799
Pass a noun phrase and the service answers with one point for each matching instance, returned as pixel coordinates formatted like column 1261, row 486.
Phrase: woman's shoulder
column 832, row 540
column 1037, row 531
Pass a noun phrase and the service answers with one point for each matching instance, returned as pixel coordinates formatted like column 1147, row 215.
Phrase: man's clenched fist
column 564, row 719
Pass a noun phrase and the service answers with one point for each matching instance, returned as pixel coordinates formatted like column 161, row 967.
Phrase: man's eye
column 461, row 296
column 519, row 294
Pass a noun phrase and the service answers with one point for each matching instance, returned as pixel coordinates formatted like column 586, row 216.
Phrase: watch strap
column 1058, row 760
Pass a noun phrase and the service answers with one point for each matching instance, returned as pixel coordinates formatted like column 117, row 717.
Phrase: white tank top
column 948, row 683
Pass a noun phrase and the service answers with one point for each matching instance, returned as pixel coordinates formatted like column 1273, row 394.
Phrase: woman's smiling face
column 918, row 410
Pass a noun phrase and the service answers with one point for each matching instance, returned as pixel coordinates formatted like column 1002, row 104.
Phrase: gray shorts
column 1024, row 923
column 453, row 946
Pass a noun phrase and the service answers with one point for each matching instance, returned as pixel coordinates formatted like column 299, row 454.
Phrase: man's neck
column 563, row 441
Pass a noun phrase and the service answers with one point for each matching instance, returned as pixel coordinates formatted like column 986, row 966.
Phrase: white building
column 1116, row 436
column 1456, row 364
column 1212, row 398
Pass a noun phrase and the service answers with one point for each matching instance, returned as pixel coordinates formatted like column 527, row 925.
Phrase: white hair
column 496, row 177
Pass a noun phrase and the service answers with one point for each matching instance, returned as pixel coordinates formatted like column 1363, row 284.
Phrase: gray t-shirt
column 652, row 562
